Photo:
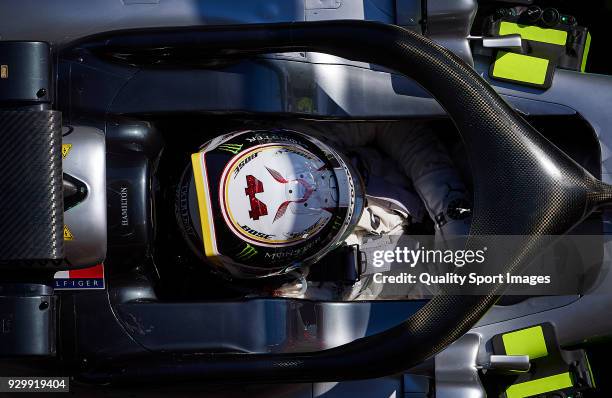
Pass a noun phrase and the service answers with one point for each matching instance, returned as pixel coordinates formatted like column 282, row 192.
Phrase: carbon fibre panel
column 31, row 197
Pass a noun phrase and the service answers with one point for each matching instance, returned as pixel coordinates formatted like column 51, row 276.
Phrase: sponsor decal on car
column 80, row 279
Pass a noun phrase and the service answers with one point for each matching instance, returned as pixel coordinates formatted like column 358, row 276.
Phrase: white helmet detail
column 259, row 203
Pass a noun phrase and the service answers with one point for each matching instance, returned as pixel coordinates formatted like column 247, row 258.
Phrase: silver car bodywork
column 313, row 84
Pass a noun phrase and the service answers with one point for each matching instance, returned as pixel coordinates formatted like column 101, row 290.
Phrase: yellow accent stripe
column 535, row 33
column 206, row 223
column 528, row 341
column 540, row 386
column 522, row 68
column 585, row 53
column 586, row 357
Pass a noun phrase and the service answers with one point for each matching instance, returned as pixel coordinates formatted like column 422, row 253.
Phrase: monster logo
column 232, row 148
column 246, row 253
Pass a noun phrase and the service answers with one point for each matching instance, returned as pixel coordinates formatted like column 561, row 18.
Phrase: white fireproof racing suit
column 408, row 174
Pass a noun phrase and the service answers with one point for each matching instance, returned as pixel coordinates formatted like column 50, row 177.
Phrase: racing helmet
column 258, row 203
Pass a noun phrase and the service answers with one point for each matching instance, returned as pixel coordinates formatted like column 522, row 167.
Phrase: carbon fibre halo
column 524, row 185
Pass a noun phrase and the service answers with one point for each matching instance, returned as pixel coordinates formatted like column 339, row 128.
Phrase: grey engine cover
column 84, row 158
